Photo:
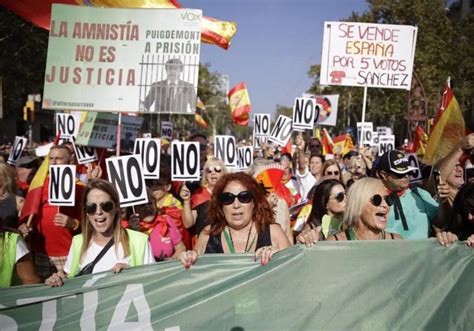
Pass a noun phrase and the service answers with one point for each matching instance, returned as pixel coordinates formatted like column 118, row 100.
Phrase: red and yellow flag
column 327, row 143
column 448, row 128
column 38, row 12
column 342, row 144
column 200, row 108
column 240, row 106
column 420, row 139
column 35, row 192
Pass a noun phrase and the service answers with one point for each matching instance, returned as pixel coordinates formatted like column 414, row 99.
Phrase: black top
column 214, row 244
column 8, row 212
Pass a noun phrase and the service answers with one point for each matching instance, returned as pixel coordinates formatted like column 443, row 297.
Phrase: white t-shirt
column 107, row 261
column 21, row 249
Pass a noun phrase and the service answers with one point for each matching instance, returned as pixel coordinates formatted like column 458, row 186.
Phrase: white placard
column 281, row 131
column 384, row 130
column 62, row 185
column 259, row 141
column 149, row 150
column 375, row 139
column 368, row 133
column 244, row 157
column 126, row 174
column 146, row 135
column 261, row 125
column 68, row 125
column 84, row 154
column 17, row 149
column 386, row 143
column 167, row 130
column 304, row 113
column 415, row 175
column 326, row 108
column 368, row 54
column 185, row 160
column 225, row 149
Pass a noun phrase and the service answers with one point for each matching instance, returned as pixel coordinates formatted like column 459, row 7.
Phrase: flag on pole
column 448, row 128
column 420, row 139
column 240, row 106
column 327, row 143
column 200, row 108
column 342, row 144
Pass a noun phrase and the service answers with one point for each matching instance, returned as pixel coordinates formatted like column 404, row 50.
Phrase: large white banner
column 125, row 60
column 360, row 54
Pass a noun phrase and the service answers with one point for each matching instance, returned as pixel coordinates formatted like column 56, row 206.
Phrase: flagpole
column 364, row 103
column 119, row 134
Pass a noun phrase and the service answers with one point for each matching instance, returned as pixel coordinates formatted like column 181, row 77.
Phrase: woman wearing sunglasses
column 241, row 221
column 366, row 214
column 195, row 206
column 331, row 170
column 103, row 245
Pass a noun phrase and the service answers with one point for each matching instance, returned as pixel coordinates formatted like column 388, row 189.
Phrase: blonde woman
column 10, row 203
column 103, row 245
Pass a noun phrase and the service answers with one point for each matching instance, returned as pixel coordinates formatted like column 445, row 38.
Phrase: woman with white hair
column 366, row 214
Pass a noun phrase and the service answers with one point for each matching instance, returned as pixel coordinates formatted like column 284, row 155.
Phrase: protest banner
column 99, row 129
column 304, row 113
column 185, row 160
column 126, row 174
column 17, row 149
column 67, row 125
column 386, row 143
column 225, row 290
column 368, row 55
column 415, row 175
column 244, row 157
column 281, row 131
column 62, row 185
column 167, row 130
column 226, row 150
column 115, row 59
column 84, row 154
column 261, row 125
column 326, row 108
column 364, row 133
column 149, row 150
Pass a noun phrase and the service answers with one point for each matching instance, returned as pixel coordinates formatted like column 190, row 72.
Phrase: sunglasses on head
column 340, row 196
column 215, row 169
column 376, row 200
column 106, row 207
column 332, row 173
column 228, row 198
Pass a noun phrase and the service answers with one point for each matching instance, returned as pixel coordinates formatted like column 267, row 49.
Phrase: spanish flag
column 420, row 139
column 342, row 144
column 35, row 192
column 327, row 143
column 448, row 128
column 200, row 108
column 240, row 106
column 38, row 12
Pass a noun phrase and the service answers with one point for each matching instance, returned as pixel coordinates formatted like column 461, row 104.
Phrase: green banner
column 391, row 285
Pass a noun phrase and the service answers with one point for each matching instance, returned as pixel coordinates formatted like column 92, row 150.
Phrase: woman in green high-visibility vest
column 103, row 244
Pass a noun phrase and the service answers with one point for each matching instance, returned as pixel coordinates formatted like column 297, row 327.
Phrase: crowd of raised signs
column 283, row 199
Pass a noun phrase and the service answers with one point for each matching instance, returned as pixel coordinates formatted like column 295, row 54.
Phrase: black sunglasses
column 332, row 173
column 106, row 207
column 376, row 200
column 228, row 198
column 340, row 196
column 216, row 169
column 399, row 176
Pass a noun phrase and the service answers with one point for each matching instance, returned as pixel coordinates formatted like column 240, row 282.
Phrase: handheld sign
column 244, row 157
column 304, row 112
column 415, row 175
column 386, row 143
column 281, row 131
column 384, row 130
column 368, row 128
column 146, row 135
column 84, row 154
column 126, row 174
column 259, row 141
column 67, row 124
column 149, row 151
column 185, row 160
column 18, row 147
column 225, row 150
column 261, row 125
column 167, row 130
column 375, row 139
column 62, row 185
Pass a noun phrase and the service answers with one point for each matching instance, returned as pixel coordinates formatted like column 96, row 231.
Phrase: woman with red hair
column 240, row 221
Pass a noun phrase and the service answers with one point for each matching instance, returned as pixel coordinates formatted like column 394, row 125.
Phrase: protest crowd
column 281, row 200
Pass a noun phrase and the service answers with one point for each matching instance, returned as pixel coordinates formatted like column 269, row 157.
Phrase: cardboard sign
column 244, row 157
column 225, row 149
column 384, row 130
column 326, row 108
column 375, row 139
column 304, row 113
column 62, row 185
column 259, row 141
column 167, row 130
column 261, row 125
column 149, row 150
column 146, row 135
column 368, row 54
column 17, row 149
column 415, row 176
column 185, row 160
column 281, row 131
column 368, row 134
column 84, row 154
column 113, row 59
column 126, row 174
column 67, row 124
column 386, row 143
